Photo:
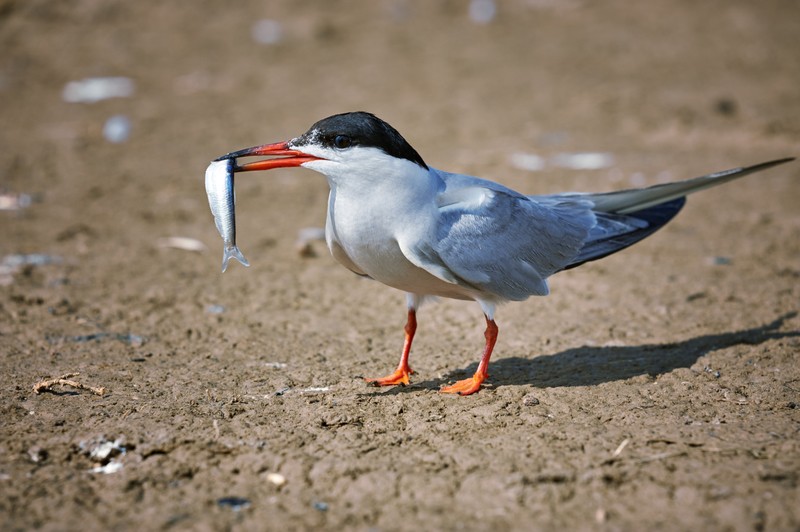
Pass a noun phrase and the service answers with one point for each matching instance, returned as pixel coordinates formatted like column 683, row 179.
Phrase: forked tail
column 628, row 216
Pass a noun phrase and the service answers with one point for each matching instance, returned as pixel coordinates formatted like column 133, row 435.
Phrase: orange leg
column 472, row 385
column 401, row 374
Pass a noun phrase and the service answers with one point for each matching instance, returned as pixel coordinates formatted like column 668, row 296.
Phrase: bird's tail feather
column 644, row 211
column 631, row 201
column 643, row 224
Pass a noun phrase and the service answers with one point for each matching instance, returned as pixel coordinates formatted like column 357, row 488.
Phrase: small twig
column 65, row 380
column 615, row 456
column 619, row 449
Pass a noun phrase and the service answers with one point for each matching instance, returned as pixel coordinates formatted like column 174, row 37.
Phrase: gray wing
column 501, row 243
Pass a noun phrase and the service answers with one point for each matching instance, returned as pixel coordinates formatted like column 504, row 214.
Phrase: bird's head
column 340, row 147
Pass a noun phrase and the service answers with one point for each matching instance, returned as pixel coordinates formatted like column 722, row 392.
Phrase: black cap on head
column 359, row 129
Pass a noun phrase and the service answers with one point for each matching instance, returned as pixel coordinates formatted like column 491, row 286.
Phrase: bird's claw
column 466, row 386
column 400, row 376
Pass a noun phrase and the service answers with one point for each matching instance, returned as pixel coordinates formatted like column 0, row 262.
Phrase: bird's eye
column 342, row 141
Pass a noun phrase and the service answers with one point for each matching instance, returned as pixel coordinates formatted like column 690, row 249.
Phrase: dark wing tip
column 770, row 164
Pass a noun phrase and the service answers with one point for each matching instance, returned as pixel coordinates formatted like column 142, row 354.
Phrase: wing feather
column 502, row 243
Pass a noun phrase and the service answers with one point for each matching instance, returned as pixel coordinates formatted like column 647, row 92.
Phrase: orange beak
column 284, row 157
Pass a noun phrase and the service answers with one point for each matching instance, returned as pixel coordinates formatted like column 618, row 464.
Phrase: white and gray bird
column 428, row 232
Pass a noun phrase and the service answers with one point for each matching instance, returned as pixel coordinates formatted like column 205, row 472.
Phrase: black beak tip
column 238, row 153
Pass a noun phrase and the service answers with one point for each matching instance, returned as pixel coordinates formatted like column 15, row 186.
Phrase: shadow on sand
column 586, row 366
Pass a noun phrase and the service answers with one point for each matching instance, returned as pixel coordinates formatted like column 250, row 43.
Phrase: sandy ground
column 656, row 389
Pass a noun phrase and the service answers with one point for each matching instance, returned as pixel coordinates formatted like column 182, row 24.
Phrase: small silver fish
column 222, row 200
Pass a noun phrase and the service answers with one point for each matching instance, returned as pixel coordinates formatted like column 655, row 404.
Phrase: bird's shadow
column 589, row 365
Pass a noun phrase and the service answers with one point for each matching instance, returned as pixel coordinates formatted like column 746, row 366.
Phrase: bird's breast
column 369, row 232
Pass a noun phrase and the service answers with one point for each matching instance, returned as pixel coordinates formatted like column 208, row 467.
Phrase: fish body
column 222, row 200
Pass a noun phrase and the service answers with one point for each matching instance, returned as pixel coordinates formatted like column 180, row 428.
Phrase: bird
column 430, row 233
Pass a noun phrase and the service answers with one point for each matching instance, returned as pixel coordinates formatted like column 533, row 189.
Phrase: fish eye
column 342, row 141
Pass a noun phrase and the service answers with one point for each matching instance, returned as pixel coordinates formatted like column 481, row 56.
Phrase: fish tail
column 232, row 252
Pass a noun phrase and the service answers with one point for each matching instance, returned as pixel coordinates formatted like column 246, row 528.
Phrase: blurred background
column 110, row 111
column 498, row 89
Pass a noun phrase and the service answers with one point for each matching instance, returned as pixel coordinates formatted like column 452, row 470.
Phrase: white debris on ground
column 181, row 242
column 528, row 161
column 482, row 11
column 14, row 202
column 571, row 161
column 91, row 90
column 104, row 451
column 303, row 391
column 117, row 129
column 101, row 449
column 583, row 161
column 111, row 467
column 276, row 479
column 267, row 31
column 316, row 389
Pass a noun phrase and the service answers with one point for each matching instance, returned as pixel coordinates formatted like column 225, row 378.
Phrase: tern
column 432, row 233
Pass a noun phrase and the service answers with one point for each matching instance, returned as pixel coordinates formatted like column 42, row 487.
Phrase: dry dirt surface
column 655, row 389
